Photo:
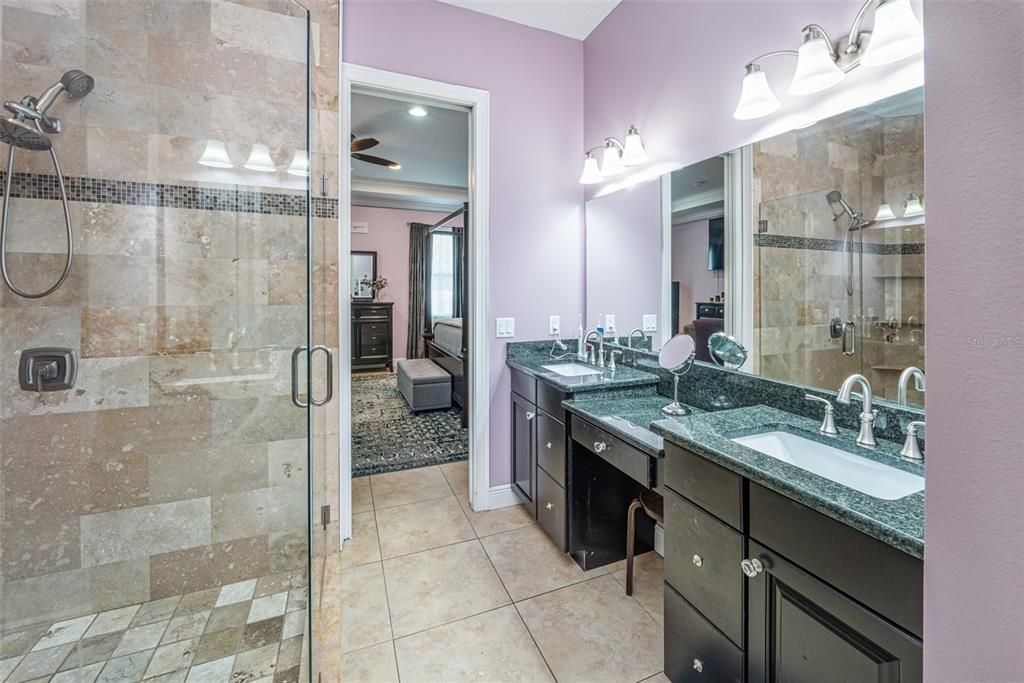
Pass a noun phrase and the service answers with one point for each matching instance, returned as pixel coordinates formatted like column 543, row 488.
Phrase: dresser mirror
column 364, row 270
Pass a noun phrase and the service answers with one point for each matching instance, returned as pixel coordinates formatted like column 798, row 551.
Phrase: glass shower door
column 155, row 516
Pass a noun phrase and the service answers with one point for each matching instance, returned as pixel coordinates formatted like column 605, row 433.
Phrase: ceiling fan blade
column 364, row 144
column 375, row 160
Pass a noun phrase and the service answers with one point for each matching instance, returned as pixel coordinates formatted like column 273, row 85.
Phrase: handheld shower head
column 836, row 201
column 76, row 83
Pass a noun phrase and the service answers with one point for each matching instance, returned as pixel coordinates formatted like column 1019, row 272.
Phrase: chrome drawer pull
column 530, row 416
column 698, row 561
column 549, row 445
column 752, row 567
column 600, row 446
column 549, row 506
column 698, row 666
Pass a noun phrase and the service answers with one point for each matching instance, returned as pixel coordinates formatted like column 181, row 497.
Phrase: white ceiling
column 572, row 18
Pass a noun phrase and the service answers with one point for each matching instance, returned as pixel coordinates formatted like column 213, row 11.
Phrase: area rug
column 387, row 437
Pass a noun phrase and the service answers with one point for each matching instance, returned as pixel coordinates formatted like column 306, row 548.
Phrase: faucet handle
column 911, row 448
column 828, row 423
column 611, row 359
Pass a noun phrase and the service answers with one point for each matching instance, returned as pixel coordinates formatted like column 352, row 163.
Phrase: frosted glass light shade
column 897, row 34
column 591, row 173
column 611, row 162
column 215, row 155
column 815, row 69
column 259, row 159
column 300, row 163
column 756, row 96
column 633, row 152
column 914, row 207
column 884, row 212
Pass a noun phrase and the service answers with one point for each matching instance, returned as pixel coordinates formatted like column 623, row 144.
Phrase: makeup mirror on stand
column 677, row 357
column 726, row 351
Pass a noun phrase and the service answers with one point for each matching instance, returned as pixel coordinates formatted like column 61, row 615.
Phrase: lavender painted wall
column 389, row 237
column 690, row 268
column 974, row 172
column 535, row 80
column 623, row 253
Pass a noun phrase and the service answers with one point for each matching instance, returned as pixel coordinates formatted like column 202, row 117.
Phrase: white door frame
column 739, row 251
column 478, row 103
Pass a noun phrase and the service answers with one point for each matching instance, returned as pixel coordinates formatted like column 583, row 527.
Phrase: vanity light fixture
column 300, row 163
column 417, row 111
column 822, row 63
column 616, row 157
column 259, row 159
column 215, row 155
column 884, row 212
column 914, row 207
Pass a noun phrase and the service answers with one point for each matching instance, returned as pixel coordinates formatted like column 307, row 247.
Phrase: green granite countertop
column 621, row 378
column 900, row 523
column 627, row 418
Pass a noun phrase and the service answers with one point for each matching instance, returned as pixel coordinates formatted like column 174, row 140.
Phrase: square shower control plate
column 47, row 369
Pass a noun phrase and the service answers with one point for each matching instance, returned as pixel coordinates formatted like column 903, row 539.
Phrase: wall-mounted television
column 716, row 243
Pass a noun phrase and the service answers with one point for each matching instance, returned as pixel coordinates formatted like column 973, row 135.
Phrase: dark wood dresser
column 372, row 346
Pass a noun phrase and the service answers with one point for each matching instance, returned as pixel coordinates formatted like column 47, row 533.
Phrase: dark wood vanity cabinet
column 372, row 345
column 538, row 453
column 824, row 602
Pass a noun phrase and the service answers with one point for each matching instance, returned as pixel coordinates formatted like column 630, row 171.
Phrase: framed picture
column 364, row 265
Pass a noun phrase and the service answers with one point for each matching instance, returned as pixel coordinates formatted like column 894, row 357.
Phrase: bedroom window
column 442, row 275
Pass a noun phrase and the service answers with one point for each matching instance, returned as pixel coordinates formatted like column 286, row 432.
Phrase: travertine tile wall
column 178, row 462
column 800, row 286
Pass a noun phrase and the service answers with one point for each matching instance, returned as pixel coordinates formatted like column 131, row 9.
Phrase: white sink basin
column 572, row 369
column 861, row 474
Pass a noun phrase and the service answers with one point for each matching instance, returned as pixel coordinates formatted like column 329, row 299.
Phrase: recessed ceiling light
column 417, row 111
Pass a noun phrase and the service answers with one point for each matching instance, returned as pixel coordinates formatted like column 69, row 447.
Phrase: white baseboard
column 501, row 497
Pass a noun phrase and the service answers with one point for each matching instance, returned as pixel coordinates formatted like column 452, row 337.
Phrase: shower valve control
column 47, row 369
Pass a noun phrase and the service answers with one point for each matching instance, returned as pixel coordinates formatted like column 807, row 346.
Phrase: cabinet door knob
column 530, row 416
column 752, row 567
column 549, row 506
column 698, row 665
column 698, row 561
column 600, row 446
column 549, row 445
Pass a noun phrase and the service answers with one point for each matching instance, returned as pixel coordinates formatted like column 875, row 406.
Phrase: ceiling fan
column 359, row 145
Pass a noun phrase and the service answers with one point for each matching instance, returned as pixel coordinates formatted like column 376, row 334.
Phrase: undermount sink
column 571, row 369
column 853, row 471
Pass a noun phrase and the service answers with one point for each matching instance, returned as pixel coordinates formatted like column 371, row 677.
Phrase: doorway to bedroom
column 408, row 287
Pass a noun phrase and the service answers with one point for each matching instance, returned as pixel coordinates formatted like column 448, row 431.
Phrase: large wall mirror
column 807, row 247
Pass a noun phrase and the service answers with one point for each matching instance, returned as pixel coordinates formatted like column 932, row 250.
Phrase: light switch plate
column 609, row 322
column 505, row 327
column 554, row 325
column 650, row 322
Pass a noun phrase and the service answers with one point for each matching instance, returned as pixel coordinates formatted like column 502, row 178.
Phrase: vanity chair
column 653, row 506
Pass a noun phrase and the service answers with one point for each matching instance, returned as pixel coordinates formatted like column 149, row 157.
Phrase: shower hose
column 3, row 229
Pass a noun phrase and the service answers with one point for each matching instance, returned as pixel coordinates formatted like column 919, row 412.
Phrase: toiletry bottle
column 581, row 343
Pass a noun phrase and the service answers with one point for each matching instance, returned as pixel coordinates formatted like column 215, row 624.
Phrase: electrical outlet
column 505, row 327
column 650, row 322
column 554, row 325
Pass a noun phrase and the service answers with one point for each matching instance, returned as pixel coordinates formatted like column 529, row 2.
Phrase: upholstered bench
column 424, row 384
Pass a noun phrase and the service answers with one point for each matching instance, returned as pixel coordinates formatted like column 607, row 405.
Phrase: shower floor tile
column 235, row 633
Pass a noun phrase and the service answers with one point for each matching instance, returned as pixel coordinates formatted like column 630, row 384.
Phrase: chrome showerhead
column 18, row 133
column 841, row 208
column 75, row 83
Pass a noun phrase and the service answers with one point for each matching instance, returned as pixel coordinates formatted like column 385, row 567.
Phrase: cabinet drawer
column 551, row 446
column 373, row 333
column 373, row 351
column 550, row 399
column 702, row 562
column 551, row 508
column 370, row 312
column 625, row 458
column 525, row 385
column 694, row 649
column 714, row 488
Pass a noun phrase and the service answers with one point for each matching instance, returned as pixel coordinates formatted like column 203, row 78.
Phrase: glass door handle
column 299, row 350
column 330, row 376
column 852, row 337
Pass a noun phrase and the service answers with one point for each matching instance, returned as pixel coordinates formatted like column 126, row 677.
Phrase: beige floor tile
column 619, row 642
column 362, row 499
column 364, row 607
column 457, row 474
column 374, row 664
column 437, row 586
column 530, row 564
column 493, row 646
column 490, row 522
column 648, row 584
column 363, row 547
column 408, row 486
column 421, row 526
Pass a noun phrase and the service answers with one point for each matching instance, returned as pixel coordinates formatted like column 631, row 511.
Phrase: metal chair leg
column 630, row 542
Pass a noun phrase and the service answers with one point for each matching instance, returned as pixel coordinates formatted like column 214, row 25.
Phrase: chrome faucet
column 629, row 339
column 600, row 346
column 911, row 448
column 866, row 437
column 904, row 383
column 828, row 423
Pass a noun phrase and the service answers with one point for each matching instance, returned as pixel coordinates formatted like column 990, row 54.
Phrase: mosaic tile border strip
column 137, row 193
column 819, row 244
